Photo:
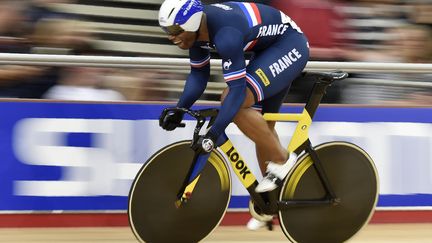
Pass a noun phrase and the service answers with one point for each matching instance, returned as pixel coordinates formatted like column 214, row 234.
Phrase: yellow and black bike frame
column 268, row 203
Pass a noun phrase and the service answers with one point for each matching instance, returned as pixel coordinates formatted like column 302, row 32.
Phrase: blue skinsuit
column 280, row 54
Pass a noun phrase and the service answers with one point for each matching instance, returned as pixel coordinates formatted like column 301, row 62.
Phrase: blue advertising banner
column 84, row 156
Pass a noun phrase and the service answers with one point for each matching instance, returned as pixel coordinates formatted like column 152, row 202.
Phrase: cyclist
column 280, row 54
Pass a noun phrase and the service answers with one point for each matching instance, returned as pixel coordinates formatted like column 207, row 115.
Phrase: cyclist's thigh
column 273, row 69
column 273, row 103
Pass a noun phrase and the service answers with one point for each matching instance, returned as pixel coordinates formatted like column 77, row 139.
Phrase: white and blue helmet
column 176, row 16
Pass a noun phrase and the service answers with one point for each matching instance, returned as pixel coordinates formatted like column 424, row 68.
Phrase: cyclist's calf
column 253, row 125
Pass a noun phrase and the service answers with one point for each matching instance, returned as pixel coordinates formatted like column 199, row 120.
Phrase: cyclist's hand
column 205, row 144
column 171, row 120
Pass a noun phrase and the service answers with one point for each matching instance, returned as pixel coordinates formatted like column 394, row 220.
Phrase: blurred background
column 77, row 156
column 357, row 30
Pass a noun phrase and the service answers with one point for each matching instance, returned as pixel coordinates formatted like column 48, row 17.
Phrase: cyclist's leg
column 270, row 105
column 250, row 121
column 253, row 125
column 269, row 76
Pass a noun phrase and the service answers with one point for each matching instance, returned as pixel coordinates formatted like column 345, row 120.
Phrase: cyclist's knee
column 271, row 125
column 240, row 116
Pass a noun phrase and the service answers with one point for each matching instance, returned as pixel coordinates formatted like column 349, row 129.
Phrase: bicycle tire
column 354, row 179
column 152, row 213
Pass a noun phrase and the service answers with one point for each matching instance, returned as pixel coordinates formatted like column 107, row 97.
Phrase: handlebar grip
column 197, row 114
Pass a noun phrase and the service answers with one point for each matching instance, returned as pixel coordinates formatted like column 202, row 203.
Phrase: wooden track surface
column 371, row 234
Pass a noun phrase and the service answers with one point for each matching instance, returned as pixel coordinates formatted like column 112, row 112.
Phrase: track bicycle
column 329, row 194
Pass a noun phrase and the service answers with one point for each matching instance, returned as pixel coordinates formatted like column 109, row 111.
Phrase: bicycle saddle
column 328, row 76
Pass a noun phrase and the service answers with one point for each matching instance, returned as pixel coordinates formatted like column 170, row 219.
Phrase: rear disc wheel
column 354, row 179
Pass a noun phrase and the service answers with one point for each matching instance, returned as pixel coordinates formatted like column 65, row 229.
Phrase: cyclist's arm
column 197, row 79
column 229, row 44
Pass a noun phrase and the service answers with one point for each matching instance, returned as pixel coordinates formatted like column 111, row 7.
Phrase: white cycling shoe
column 275, row 174
column 255, row 224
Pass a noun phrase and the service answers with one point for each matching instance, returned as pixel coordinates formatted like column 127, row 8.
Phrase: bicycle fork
column 185, row 192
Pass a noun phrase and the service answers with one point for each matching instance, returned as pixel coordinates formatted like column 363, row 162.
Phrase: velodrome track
column 373, row 233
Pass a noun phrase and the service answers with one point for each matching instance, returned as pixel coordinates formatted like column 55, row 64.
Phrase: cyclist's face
column 184, row 40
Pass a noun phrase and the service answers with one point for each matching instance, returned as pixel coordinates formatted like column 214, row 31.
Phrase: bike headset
column 177, row 16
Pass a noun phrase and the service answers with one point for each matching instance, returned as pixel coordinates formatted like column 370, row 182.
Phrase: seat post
column 318, row 91
column 323, row 80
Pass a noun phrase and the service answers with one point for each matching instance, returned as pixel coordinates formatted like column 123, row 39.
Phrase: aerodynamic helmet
column 176, row 16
